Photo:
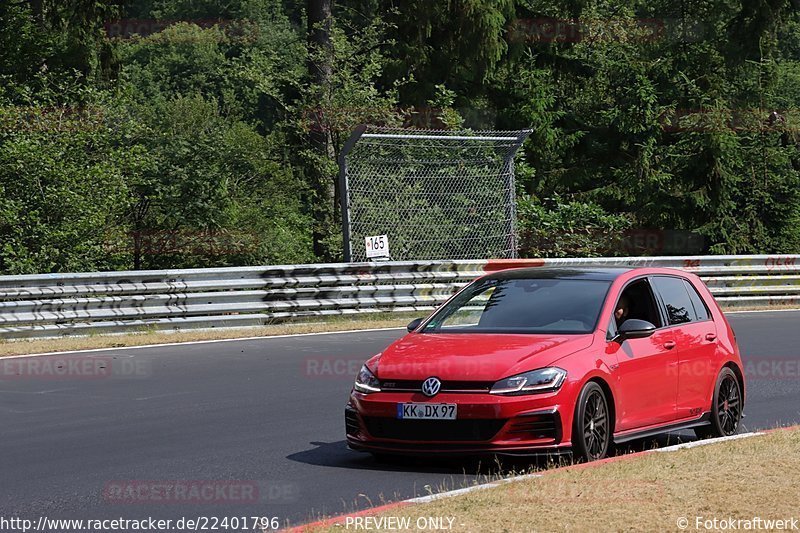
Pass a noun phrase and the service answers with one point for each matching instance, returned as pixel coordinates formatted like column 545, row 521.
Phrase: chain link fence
column 437, row 195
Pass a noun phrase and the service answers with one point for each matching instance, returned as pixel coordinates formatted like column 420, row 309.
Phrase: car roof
column 588, row 273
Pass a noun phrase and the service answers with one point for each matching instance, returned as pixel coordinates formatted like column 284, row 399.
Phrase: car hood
column 473, row 357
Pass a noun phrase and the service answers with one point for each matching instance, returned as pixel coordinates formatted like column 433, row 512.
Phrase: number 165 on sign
column 377, row 246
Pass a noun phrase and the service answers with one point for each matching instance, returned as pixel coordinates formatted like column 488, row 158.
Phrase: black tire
column 591, row 430
column 726, row 407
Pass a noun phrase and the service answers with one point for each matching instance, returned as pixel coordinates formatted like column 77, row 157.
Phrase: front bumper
column 485, row 424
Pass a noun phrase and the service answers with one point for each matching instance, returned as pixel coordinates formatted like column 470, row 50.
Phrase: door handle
column 711, row 336
column 669, row 345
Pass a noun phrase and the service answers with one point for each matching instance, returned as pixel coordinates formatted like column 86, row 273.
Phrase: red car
column 549, row 361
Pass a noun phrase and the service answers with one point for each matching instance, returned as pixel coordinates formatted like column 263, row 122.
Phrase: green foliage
column 326, row 113
column 202, row 173
column 682, row 129
column 61, row 189
column 212, row 142
column 456, row 43
column 559, row 228
column 168, row 168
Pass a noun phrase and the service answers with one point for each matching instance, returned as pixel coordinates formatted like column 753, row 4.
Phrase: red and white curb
column 340, row 520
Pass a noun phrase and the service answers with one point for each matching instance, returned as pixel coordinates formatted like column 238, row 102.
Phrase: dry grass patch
column 746, row 478
column 64, row 344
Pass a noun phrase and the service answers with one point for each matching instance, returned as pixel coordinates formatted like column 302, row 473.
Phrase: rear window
column 676, row 299
column 700, row 308
column 522, row 306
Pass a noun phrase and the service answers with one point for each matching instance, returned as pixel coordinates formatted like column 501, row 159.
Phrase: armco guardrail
column 115, row 302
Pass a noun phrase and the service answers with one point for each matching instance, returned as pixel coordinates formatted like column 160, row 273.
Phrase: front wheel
column 726, row 407
column 591, row 432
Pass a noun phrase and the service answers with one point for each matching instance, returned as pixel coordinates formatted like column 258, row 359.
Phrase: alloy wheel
column 728, row 405
column 595, row 425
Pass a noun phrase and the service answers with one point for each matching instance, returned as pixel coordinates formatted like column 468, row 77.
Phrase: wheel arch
column 611, row 401
column 739, row 377
column 579, row 445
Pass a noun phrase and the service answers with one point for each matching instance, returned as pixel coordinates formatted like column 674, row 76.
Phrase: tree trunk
column 319, row 70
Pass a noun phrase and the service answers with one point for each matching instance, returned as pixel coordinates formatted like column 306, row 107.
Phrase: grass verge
column 739, row 479
column 63, row 344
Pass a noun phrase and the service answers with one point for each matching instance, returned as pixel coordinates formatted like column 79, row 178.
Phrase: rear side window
column 700, row 308
column 676, row 299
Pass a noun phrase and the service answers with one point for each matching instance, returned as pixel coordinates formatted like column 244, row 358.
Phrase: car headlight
column 366, row 381
column 542, row 380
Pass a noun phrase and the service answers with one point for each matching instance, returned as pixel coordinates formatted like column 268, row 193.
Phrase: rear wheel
column 726, row 407
column 591, row 432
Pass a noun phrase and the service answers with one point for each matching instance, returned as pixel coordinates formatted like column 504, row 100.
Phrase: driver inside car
column 622, row 310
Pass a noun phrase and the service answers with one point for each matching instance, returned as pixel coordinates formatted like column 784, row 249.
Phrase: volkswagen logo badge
column 431, row 386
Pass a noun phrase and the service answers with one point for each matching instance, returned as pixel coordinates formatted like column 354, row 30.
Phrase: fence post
column 512, row 193
column 343, row 195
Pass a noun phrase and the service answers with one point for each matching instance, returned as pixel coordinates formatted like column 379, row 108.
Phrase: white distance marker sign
column 377, row 246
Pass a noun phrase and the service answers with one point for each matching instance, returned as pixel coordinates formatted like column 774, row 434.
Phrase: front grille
column 433, row 430
column 447, row 386
column 351, row 424
column 540, row 426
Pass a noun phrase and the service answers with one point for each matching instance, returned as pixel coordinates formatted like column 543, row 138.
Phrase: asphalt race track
column 265, row 413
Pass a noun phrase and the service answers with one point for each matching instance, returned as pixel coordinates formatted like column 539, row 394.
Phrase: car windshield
column 522, row 306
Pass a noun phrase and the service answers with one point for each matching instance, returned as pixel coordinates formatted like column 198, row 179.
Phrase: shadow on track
column 337, row 455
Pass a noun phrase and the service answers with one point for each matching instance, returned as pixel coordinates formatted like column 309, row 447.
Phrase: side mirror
column 414, row 324
column 633, row 328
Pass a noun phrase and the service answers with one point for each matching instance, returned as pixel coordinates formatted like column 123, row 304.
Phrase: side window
column 700, row 308
column 673, row 292
column 637, row 301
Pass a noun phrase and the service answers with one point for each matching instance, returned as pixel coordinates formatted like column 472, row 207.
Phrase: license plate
column 426, row 411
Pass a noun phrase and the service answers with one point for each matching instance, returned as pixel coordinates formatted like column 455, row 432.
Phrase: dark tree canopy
column 168, row 133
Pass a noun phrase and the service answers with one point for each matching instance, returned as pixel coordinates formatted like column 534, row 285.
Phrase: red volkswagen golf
column 551, row 361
